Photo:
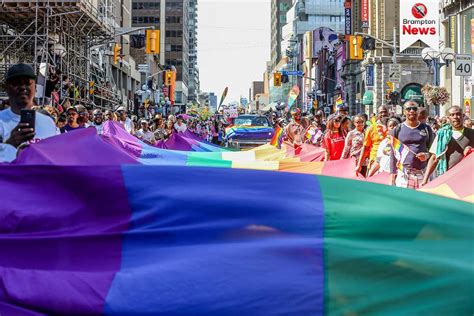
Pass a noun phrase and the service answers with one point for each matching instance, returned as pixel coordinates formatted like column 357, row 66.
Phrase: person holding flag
column 407, row 170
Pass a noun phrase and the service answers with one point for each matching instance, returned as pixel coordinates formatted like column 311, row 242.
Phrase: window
column 173, row 19
column 174, row 6
column 146, row 5
column 172, row 33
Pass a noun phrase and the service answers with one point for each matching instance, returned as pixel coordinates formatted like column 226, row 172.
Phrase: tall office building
column 278, row 20
column 194, row 83
column 171, row 17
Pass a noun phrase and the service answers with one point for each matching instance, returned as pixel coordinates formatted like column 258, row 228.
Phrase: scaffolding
column 70, row 38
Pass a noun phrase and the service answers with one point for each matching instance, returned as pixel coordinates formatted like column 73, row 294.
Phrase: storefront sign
column 369, row 76
column 452, row 32
column 419, row 21
column 348, row 17
column 472, row 36
column 365, row 13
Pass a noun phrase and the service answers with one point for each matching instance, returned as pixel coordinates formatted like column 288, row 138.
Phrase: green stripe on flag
column 391, row 251
column 199, row 159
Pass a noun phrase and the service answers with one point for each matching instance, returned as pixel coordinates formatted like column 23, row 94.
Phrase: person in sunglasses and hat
column 20, row 83
column 407, row 172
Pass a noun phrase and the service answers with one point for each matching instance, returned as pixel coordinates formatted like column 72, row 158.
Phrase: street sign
column 468, row 87
column 395, row 71
column 143, row 68
column 391, row 86
column 293, row 73
column 464, row 65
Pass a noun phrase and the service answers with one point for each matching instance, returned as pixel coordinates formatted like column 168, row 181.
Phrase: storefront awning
column 412, row 92
column 368, row 98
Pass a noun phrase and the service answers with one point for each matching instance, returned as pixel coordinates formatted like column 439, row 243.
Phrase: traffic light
column 277, row 79
column 152, row 43
column 146, row 104
column 284, row 78
column 368, row 43
column 91, row 87
column 355, row 48
column 117, row 49
column 169, row 77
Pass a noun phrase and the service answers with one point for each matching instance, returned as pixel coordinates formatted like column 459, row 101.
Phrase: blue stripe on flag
column 217, row 248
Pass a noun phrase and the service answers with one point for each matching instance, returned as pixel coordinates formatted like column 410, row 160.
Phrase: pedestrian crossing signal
column 277, row 79
column 355, row 48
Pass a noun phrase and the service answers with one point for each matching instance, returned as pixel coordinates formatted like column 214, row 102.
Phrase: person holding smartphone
column 19, row 124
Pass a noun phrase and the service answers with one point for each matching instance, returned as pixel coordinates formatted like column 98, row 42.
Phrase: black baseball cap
column 20, row 70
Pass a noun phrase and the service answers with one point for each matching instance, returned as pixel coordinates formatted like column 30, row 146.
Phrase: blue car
column 249, row 131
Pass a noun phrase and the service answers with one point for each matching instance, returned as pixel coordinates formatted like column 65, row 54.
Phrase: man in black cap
column 21, row 89
column 72, row 120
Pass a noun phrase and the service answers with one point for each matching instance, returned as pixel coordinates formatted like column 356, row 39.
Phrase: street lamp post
column 437, row 59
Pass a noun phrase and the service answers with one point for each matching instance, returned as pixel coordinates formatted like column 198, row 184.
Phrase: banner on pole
column 365, row 13
column 419, row 21
column 292, row 96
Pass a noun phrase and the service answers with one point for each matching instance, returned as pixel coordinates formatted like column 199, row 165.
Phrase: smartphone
column 28, row 116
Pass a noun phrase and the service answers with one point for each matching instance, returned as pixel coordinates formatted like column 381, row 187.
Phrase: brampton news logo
column 420, row 21
column 419, row 10
column 420, row 24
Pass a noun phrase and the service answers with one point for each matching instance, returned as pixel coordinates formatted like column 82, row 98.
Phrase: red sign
column 347, row 5
column 365, row 13
column 419, row 10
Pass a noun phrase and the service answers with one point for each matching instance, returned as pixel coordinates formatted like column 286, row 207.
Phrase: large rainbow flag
column 177, row 240
column 108, row 225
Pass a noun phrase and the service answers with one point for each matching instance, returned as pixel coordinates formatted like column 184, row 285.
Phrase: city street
column 227, row 157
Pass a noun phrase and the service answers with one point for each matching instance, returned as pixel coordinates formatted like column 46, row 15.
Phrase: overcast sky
column 233, row 45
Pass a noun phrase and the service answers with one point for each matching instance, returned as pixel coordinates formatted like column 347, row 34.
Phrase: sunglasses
column 337, row 120
column 358, row 122
column 411, row 108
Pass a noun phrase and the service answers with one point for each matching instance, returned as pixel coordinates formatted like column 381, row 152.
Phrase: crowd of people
column 411, row 147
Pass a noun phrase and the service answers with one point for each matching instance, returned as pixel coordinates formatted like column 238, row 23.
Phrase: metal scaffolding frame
column 72, row 36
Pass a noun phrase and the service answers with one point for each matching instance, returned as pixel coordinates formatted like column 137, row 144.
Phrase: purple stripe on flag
column 82, row 147
column 60, row 237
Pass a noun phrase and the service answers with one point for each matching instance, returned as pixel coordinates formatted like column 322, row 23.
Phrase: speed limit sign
column 463, row 65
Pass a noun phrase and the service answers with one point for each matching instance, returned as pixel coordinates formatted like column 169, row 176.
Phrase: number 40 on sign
column 463, row 65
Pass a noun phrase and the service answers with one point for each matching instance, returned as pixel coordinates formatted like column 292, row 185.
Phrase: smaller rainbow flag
column 277, row 138
column 313, row 134
column 400, row 151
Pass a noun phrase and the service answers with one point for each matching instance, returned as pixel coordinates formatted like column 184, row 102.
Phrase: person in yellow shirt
column 374, row 135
